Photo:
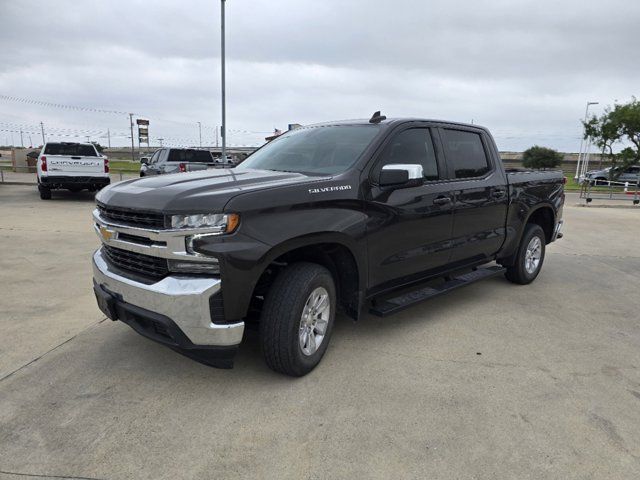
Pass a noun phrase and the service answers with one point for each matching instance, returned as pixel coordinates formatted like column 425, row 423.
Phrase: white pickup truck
column 71, row 166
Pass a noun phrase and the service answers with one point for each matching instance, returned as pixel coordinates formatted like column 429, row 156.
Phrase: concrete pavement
column 492, row 381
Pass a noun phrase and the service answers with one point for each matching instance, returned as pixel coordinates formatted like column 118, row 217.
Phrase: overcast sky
column 522, row 68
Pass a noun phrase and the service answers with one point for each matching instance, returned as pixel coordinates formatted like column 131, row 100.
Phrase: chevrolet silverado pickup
column 353, row 216
column 71, row 166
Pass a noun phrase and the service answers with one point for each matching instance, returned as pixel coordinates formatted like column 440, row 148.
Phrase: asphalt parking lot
column 494, row 381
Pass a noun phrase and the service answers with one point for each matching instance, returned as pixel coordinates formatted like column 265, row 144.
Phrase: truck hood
column 193, row 192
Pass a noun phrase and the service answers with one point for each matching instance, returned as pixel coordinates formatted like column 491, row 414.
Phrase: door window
column 155, row 156
column 413, row 146
column 465, row 153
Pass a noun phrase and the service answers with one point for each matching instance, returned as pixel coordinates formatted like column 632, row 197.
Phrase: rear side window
column 190, row 156
column 465, row 153
column 70, row 149
column 413, row 146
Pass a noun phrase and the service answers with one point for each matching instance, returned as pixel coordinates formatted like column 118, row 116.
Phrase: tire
column 523, row 271
column 45, row 193
column 282, row 322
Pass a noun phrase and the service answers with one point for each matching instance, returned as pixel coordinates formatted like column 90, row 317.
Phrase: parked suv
column 175, row 160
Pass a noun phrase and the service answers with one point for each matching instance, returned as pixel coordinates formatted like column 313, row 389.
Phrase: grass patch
column 126, row 166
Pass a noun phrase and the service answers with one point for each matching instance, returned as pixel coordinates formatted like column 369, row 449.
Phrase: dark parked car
column 336, row 216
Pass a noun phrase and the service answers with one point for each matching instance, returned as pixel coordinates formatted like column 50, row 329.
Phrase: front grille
column 146, row 265
column 133, row 218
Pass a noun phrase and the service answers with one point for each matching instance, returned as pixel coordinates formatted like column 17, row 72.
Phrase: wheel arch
column 336, row 252
column 543, row 215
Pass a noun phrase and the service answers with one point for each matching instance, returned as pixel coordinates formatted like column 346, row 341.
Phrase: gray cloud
column 524, row 69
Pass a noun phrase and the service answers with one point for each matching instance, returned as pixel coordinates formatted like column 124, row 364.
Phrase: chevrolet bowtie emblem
column 106, row 234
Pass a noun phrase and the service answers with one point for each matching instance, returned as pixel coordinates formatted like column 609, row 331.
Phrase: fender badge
column 334, row 188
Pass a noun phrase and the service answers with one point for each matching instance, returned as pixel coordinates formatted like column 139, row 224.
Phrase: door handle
column 441, row 200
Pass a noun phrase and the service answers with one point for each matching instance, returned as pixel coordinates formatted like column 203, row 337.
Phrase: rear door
column 479, row 191
column 408, row 228
column 74, row 159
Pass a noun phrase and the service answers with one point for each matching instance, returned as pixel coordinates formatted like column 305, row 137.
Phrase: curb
column 607, row 206
column 18, row 183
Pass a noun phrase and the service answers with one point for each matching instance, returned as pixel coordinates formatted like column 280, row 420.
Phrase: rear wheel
column 45, row 193
column 530, row 256
column 297, row 318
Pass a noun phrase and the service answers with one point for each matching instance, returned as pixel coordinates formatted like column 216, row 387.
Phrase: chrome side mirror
column 401, row 174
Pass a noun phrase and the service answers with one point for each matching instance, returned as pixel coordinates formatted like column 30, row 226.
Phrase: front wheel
column 297, row 318
column 530, row 256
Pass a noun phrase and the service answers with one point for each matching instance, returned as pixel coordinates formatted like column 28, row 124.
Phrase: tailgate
column 62, row 164
column 194, row 166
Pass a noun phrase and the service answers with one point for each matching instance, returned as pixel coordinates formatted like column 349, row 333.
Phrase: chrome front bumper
column 184, row 300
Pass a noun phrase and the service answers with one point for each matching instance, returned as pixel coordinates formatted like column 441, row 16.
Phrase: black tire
column 281, row 315
column 518, row 273
column 45, row 193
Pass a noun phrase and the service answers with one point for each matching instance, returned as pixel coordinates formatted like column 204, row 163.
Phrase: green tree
column 541, row 157
column 617, row 125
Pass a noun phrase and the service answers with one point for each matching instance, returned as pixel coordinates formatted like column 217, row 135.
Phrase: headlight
column 218, row 222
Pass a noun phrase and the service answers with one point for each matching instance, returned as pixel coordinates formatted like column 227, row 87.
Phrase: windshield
column 70, row 149
column 314, row 150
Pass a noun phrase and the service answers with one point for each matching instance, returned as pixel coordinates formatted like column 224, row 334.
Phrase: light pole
column 582, row 144
column 42, row 130
column 224, row 111
column 200, row 133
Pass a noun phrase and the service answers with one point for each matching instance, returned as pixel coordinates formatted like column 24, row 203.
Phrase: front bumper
column 179, row 303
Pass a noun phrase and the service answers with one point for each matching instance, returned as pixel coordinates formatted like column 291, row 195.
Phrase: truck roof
column 394, row 121
column 69, row 143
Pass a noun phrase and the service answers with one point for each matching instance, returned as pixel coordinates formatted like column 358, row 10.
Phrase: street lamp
column 200, row 133
column 224, row 112
column 582, row 143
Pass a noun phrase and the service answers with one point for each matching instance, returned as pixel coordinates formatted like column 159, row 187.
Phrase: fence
column 610, row 190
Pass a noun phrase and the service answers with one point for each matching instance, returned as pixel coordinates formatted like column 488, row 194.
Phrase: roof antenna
column 377, row 118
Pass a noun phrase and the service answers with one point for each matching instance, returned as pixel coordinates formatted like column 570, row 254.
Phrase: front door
column 408, row 228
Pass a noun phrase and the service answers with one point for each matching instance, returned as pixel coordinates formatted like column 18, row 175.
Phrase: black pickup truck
column 371, row 215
